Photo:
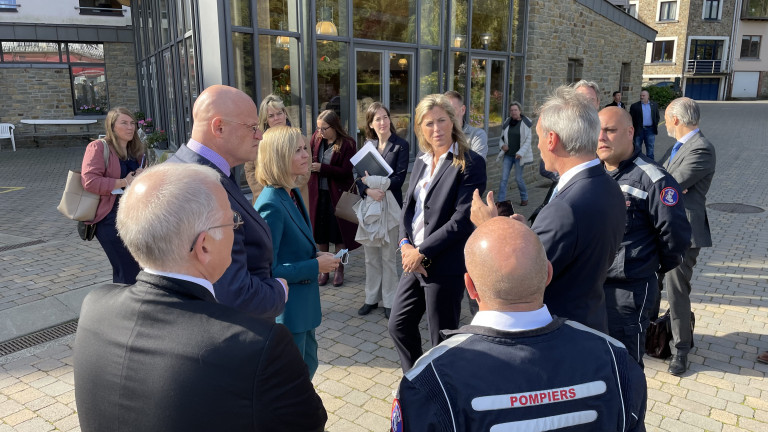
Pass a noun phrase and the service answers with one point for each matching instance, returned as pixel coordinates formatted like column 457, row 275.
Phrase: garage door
column 702, row 88
column 745, row 84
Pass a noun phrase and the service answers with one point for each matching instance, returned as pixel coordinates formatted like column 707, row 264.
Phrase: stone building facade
column 692, row 47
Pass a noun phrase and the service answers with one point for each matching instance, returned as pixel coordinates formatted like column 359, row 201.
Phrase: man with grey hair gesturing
column 163, row 354
column 582, row 225
column 691, row 161
column 514, row 367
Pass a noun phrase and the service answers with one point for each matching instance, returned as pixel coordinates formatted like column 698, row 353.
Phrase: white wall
column 751, row 28
column 60, row 12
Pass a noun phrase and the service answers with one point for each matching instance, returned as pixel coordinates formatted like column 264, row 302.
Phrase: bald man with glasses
column 225, row 134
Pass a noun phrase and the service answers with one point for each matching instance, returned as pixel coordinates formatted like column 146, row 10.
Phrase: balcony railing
column 706, row 66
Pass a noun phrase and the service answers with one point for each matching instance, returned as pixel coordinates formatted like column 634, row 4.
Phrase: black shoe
column 678, row 365
column 366, row 309
column 387, row 311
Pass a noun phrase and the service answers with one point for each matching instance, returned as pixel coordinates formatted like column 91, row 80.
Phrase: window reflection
column 279, row 70
column 428, row 73
column 242, row 46
column 277, row 15
column 90, row 90
column 430, row 22
column 240, row 12
column 458, row 72
column 459, row 24
column 331, row 18
column 489, row 24
column 31, row 52
column 86, row 53
column 390, row 20
column 331, row 63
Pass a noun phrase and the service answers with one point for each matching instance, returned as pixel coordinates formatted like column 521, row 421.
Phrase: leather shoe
column 322, row 279
column 523, row 203
column 678, row 365
column 366, row 309
column 338, row 276
column 388, row 311
column 762, row 357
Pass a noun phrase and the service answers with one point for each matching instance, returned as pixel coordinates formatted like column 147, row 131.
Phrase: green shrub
column 661, row 95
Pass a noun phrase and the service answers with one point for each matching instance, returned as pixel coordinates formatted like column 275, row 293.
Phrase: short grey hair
column 686, row 110
column 591, row 84
column 573, row 118
column 517, row 104
column 159, row 222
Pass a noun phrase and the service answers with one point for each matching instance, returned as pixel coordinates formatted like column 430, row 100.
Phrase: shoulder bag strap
column 106, row 154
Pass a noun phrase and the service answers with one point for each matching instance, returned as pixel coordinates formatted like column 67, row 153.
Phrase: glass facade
column 332, row 54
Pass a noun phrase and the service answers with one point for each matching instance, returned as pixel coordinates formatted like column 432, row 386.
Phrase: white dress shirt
column 513, row 321
column 422, row 188
column 196, row 280
column 568, row 175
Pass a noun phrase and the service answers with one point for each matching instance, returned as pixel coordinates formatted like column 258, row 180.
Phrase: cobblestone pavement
column 724, row 390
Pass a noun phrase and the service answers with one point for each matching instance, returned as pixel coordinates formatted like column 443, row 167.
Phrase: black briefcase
column 660, row 335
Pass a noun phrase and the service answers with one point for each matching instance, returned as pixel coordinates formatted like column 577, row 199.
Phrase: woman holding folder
column 380, row 261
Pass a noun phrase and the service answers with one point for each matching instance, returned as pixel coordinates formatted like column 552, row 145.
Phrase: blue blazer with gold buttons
column 294, row 254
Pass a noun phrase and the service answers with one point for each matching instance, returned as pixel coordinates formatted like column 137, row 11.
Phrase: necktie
column 675, row 148
column 554, row 194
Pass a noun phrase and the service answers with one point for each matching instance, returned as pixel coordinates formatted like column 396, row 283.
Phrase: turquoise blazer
column 294, row 254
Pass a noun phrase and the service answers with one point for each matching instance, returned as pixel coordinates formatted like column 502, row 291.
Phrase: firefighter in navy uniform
column 516, row 366
column 657, row 233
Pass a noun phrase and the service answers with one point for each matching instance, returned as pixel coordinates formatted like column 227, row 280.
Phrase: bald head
column 507, row 265
column 615, row 143
column 223, row 120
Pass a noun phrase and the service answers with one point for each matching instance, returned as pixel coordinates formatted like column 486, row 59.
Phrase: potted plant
column 147, row 125
column 157, row 139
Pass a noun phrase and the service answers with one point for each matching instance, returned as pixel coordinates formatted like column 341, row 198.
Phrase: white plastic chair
column 6, row 131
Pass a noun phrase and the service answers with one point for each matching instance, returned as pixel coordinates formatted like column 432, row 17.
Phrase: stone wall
column 46, row 93
column 647, row 12
column 560, row 30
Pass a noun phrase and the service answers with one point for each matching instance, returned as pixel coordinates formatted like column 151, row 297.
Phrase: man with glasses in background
column 163, row 354
column 226, row 134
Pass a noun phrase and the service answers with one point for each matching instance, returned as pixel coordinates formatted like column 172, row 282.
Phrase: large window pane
column 385, row 20
column 278, row 15
column 429, row 67
column 279, row 69
column 496, row 100
column 331, row 74
column 399, row 92
column 170, row 98
column 242, row 46
column 489, row 24
column 240, row 12
column 477, row 93
column 31, row 52
column 430, row 22
column 86, row 53
column 756, row 8
column 518, row 25
column 368, row 79
column 90, row 86
column 459, row 22
column 457, row 80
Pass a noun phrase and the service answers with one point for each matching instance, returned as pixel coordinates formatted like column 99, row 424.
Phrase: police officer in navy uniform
column 657, row 233
column 516, row 366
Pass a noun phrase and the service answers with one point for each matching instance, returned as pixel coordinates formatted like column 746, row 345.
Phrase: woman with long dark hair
column 332, row 149
column 126, row 153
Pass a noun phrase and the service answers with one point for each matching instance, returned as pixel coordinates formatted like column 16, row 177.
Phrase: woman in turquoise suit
column 283, row 158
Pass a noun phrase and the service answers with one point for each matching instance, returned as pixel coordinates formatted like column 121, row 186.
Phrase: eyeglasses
column 255, row 127
column 323, row 129
column 237, row 222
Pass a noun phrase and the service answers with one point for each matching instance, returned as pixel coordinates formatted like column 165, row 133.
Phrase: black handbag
column 660, row 335
column 86, row 232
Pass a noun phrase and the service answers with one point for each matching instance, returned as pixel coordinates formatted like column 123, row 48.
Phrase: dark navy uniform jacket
column 561, row 376
column 657, row 232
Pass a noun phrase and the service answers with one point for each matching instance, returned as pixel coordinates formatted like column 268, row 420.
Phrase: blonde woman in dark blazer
column 283, row 159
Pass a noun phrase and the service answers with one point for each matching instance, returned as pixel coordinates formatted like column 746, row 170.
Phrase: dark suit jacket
column 693, row 167
column 294, row 257
column 636, row 111
column 340, row 180
column 162, row 355
column 247, row 284
column 396, row 154
column 581, row 229
column 623, row 105
column 446, row 212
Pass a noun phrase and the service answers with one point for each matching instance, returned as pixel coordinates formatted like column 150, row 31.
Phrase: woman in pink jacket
column 126, row 153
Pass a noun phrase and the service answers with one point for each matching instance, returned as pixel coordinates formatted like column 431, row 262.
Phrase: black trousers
column 629, row 305
column 124, row 267
column 439, row 296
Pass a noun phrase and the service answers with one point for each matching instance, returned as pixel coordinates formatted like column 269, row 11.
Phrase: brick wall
column 46, row 93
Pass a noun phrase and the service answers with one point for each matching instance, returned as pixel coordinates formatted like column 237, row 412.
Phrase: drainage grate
column 20, row 245
column 735, row 208
column 37, row 338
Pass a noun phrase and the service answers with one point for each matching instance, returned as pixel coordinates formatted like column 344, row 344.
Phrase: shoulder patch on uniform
column 397, row 417
column 654, row 172
column 580, row 326
column 434, row 353
column 669, row 196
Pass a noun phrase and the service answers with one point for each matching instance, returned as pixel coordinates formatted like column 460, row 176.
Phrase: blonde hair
column 276, row 152
column 275, row 102
column 135, row 147
column 441, row 101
